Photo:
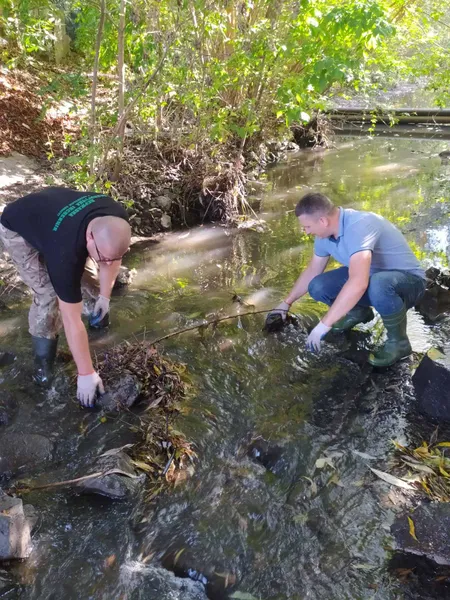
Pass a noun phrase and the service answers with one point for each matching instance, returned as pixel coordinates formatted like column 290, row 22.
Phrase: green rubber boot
column 397, row 345
column 358, row 314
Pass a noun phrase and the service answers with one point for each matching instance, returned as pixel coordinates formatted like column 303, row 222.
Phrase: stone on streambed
column 435, row 303
column 23, row 450
column 432, row 386
column 15, row 529
column 121, row 393
column 432, row 530
column 121, row 484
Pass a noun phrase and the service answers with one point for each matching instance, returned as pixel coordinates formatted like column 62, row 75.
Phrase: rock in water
column 432, row 386
column 15, row 536
column 23, row 450
column 118, row 485
column 121, row 393
column 275, row 322
column 432, row 530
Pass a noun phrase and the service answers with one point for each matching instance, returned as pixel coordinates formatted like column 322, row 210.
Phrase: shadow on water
column 282, row 505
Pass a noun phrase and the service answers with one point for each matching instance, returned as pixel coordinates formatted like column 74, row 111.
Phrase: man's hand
column 282, row 309
column 314, row 340
column 101, row 308
column 87, row 386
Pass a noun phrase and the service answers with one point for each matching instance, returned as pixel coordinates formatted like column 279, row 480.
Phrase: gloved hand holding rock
column 282, row 309
column 101, row 310
column 314, row 340
column 87, row 387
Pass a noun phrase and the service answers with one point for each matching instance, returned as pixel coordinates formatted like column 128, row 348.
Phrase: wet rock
column 435, row 302
column 166, row 221
column 184, row 566
column 164, row 202
column 432, row 529
column 120, row 480
column 155, row 582
column 432, row 386
column 270, row 456
column 15, row 535
column 120, row 394
column 124, row 278
column 275, row 322
column 23, row 450
column 6, row 359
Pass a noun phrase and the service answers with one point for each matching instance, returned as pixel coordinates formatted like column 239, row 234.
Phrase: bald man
column 50, row 235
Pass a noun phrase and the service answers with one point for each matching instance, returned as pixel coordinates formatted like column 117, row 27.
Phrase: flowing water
column 282, row 504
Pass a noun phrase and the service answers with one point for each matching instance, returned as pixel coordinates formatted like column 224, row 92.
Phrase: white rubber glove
column 101, row 307
column 281, row 309
column 314, row 340
column 87, row 386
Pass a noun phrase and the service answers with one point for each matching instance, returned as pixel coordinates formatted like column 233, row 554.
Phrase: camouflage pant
column 44, row 318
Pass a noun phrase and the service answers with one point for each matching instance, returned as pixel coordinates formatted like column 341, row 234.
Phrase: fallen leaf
column 444, row 444
column 177, row 555
column 419, row 467
column 324, row 460
column 391, row 479
column 412, row 529
column 364, row 455
column 242, row 596
column 110, row 561
column 435, row 354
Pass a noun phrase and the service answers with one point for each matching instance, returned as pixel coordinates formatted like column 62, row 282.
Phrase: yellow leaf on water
column 435, row 354
column 412, row 529
column 444, row 444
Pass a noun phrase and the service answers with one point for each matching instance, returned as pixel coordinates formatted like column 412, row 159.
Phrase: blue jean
column 387, row 291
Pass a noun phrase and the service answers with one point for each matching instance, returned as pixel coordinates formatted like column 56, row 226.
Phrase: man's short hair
column 314, row 203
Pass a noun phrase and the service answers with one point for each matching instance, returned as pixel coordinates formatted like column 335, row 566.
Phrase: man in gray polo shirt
column 380, row 271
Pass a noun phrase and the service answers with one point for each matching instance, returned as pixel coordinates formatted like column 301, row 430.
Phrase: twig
column 67, row 482
column 206, row 323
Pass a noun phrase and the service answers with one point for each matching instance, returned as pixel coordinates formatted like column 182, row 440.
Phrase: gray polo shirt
column 359, row 231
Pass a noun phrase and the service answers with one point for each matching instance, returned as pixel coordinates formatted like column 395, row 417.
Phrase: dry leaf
column 110, row 561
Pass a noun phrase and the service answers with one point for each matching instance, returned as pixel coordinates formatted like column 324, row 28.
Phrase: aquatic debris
column 391, row 479
column 163, row 453
column 430, row 465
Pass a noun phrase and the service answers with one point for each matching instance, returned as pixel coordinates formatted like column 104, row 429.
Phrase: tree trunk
column 121, row 94
column 98, row 43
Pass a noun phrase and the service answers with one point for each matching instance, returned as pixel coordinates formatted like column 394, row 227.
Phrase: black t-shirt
column 54, row 221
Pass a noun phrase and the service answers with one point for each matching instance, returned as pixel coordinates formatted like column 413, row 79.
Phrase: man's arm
column 353, row 290
column 107, row 276
column 315, row 267
column 76, row 335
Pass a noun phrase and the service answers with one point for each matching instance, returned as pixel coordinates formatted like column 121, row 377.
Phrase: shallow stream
column 263, row 517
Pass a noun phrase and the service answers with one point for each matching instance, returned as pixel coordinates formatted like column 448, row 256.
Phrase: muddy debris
column 163, row 453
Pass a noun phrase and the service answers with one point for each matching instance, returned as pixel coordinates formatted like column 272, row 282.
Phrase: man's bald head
column 112, row 236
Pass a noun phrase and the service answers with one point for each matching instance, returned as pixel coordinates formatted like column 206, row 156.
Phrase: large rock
column 15, row 535
column 121, row 393
column 432, row 530
column 23, row 450
column 432, row 386
column 122, row 481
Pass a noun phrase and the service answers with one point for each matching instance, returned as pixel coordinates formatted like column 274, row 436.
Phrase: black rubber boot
column 358, row 314
column 397, row 345
column 44, row 359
